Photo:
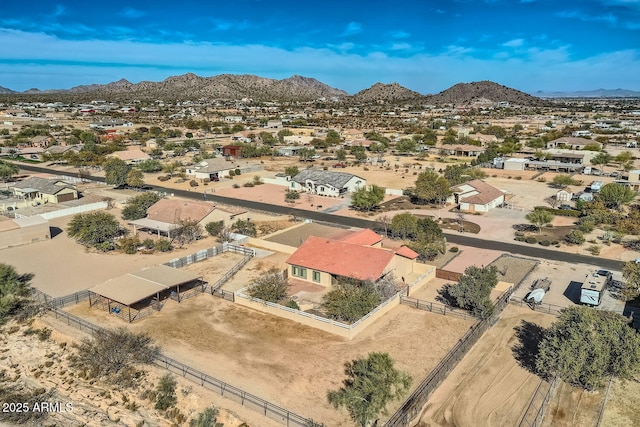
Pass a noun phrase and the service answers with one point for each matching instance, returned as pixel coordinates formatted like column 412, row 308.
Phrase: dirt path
column 488, row 387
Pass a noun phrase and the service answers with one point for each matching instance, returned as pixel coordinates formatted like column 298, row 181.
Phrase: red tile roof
column 342, row 259
column 364, row 237
column 407, row 252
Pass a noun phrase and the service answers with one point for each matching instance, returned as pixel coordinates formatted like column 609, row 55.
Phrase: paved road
column 455, row 238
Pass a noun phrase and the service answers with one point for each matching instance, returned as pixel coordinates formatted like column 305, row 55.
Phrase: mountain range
column 598, row 93
column 232, row 86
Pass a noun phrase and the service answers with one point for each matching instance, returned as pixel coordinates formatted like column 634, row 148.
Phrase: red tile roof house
column 477, row 196
column 359, row 256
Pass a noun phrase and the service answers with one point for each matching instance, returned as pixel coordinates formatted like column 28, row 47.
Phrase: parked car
column 565, row 207
column 339, row 165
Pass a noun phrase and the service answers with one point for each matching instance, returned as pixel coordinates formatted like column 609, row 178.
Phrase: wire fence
column 413, row 405
column 534, row 414
column 556, row 310
column 436, row 307
column 246, row 399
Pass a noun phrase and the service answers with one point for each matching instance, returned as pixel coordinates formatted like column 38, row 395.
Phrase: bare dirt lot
column 488, row 387
column 622, row 409
column 285, row 362
column 295, row 236
column 571, row 406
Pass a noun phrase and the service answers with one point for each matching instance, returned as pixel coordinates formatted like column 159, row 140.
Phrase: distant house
column 212, row 169
column 232, row 151
column 44, row 190
column 41, row 141
column 325, row 261
column 326, row 183
column 463, row 150
column 564, row 196
column 572, row 143
column 130, row 157
column 61, row 149
column 165, row 215
column 289, row 151
column 477, row 196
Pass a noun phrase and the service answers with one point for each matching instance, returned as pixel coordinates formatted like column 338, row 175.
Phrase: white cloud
column 352, row 28
column 514, row 43
column 399, row 34
column 132, row 13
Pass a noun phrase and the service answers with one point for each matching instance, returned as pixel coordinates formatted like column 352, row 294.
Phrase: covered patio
column 162, row 228
column 144, row 291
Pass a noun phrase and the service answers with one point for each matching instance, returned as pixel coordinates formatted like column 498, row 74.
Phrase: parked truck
column 593, row 287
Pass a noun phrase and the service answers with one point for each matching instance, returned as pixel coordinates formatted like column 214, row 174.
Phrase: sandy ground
column 621, row 409
column 61, row 266
column 44, row 364
column 571, row 406
column 488, row 387
column 282, row 361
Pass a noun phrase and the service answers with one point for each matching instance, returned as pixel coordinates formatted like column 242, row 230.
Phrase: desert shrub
column 237, row 172
column 271, row 287
column 594, row 250
column 163, row 245
column 166, row 393
column 137, row 206
column 236, row 185
column 129, row 245
column 232, row 173
column 98, row 357
column 206, row 418
column 531, row 240
column 291, row 195
column 545, row 242
column 214, row 228
column 292, row 304
column 542, row 179
column 454, row 249
column 248, row 184
column 518, row 178
column 520, row 238
column 576, row 237
column 350, row 301
column 148, row 243
column 163, row 178
column 193, row 183
column 586, row 226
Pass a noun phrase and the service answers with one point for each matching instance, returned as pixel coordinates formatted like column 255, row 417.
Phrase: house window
column 316, row 276
column 299, row 272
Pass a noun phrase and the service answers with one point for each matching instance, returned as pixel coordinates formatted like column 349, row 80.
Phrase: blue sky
column 426, row 46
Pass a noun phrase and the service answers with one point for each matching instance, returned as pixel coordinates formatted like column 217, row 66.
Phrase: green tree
column 187, row 231
column 206, row 418
column 97, row 229
column 136, row 207
column 306, row 154
column 631, row 285
column 404, row 225
column 333, row 137
column 8, row 170
column 271, row 287
column 563, row 180
column 14, row 289
column 430, row 188
column 576, row 237
column 282, row 133
column 291, row 171
column 371, row 384
column 350, row 300
column 473, row 290
column 367, row 198
column 247, row 228
column 539, row 218
column 359, row 153
column 602, row 159
column 585, row 346
column 624, row 158
column 614, row 195
column 341, row 154
column 115, row 172
column 135, row 178
column 406, row 146
column 166, row 393
column 151, row 165
column 214, row 228
column 267, row 138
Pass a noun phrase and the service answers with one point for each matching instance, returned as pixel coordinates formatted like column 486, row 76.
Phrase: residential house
column 23, row 231
column 564, row 196
column 324, row 261
column 212, row 169
column 165, row 215
column 477, row 196
column 572, row 143
column 326, row 183
column 463, row 150
column 130, row 157
column 289, row 151
column 44, row 190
